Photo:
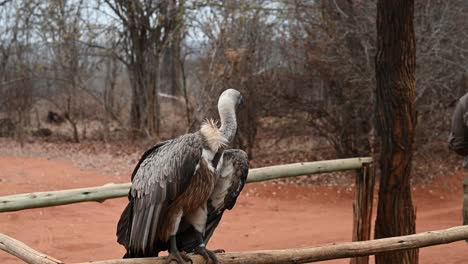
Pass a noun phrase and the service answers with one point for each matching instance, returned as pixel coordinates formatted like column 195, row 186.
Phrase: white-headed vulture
column 181, row 187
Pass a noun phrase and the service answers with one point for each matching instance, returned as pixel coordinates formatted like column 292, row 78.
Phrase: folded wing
column 161, row 175
column 232, row 177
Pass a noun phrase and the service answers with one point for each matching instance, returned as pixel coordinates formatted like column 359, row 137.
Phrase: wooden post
column 362, row 207
column 465, row 202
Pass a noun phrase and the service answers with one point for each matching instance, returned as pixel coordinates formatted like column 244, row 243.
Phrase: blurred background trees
column 111, row 69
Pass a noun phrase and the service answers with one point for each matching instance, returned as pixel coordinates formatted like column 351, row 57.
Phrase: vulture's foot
column 178, row 257
column 207, row 254
column 219, row 250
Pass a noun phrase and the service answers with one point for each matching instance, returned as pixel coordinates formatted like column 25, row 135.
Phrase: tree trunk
column 188, row 114
column 395, row 123
column 145, row 104
column 138, row 101
column 144, row 76
column 147, row 29
column 153, row 108
column 170, row 73
column 76, row 137
column 175, row 74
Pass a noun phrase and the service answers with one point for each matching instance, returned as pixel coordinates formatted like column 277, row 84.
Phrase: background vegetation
column 141, row 71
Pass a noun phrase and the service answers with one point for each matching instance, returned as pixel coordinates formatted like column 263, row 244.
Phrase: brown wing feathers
column 186, row 239
column 154, row 187
column 240, row 163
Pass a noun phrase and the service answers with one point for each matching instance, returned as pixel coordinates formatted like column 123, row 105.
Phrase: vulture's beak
column 241, row 100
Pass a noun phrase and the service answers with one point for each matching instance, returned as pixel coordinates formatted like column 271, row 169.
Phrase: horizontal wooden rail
column 109, row 191
column 298, row 255
column 54, row 198
column 325, row 252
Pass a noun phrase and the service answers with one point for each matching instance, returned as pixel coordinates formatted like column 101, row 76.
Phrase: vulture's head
column 230, row 100
column 228, row 103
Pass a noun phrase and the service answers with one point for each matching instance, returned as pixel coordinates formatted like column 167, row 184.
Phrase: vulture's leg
column 174, row 253
column 202, row 250
column 198, row 220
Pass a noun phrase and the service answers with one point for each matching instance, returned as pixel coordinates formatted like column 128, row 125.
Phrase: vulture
column 181, row 187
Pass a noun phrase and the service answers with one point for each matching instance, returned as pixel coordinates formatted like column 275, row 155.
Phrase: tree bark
column 395, row 123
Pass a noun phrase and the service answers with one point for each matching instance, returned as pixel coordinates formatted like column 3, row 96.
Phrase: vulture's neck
column 228, row 121
column 217, row 138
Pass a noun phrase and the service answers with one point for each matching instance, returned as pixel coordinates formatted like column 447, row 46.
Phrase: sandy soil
column 267, row 216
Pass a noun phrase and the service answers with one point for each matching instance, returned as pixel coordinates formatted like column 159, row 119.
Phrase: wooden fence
column 465, row 202
column 362, row 205
column 109, row 191
column 358, row 251
column 298, row 255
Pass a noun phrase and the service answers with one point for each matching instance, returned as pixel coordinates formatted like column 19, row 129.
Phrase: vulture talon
column 207, row 254
column 186, row 257
column 219, row 250
column 178, row 257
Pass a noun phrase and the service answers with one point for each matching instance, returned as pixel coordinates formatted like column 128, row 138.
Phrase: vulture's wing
column 163, row 173
column 235, row 169
column 233, row 174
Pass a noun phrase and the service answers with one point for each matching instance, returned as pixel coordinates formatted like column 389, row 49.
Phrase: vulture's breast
column 200, row 188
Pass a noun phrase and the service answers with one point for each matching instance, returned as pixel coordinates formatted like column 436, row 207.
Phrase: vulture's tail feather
column 124, row 225
column 139, row 255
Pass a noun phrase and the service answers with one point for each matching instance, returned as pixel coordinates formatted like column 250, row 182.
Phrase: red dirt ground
column 267, row 216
